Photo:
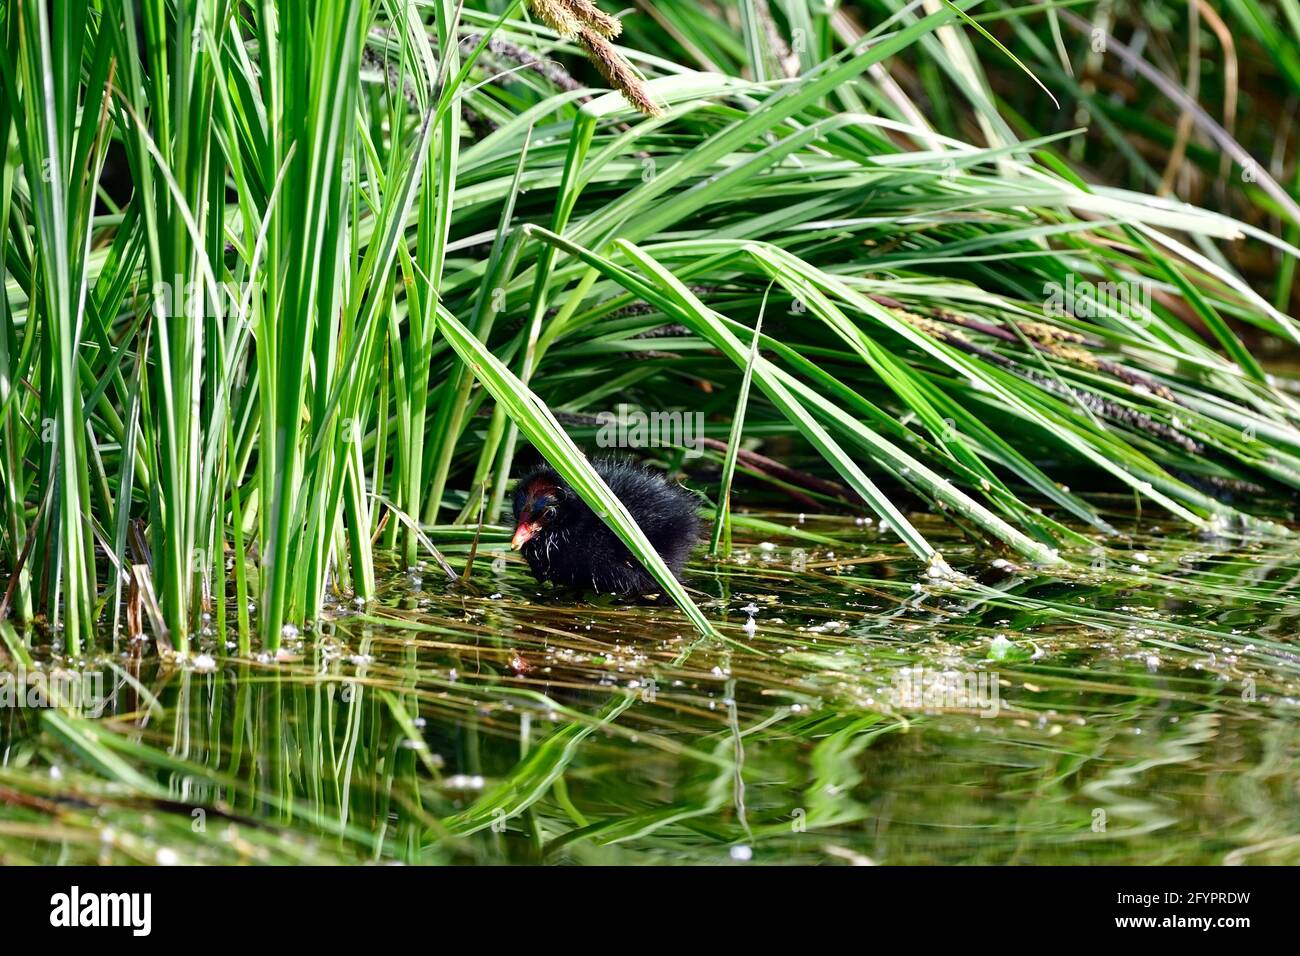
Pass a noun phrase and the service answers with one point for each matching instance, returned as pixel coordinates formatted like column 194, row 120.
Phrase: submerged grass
column 1141, row 714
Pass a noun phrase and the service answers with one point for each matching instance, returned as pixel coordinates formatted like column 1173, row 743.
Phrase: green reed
column 367, row 247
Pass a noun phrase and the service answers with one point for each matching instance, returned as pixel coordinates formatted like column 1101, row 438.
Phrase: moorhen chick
column 565, row 543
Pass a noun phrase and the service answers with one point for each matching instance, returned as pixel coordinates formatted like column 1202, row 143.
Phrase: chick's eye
column 548, row 512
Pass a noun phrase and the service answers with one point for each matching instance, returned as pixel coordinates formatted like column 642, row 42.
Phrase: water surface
column 1143, row 710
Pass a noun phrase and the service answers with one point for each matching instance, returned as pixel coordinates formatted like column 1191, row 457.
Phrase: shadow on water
column 1140, row 711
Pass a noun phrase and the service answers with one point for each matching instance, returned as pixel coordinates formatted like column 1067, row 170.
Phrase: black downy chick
column 565, row 543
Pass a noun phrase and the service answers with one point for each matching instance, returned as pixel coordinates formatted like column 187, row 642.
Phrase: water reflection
column 1142, row 711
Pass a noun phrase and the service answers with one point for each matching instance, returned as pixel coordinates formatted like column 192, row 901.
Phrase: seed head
column 569, row 17
column 618, row 73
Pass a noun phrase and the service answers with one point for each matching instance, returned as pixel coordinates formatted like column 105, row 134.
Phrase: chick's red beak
column 524, row 533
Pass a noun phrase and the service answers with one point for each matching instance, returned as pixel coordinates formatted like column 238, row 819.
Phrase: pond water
column 1140, row 711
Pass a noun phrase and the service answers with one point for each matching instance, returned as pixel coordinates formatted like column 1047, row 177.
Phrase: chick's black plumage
column 565, row 543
